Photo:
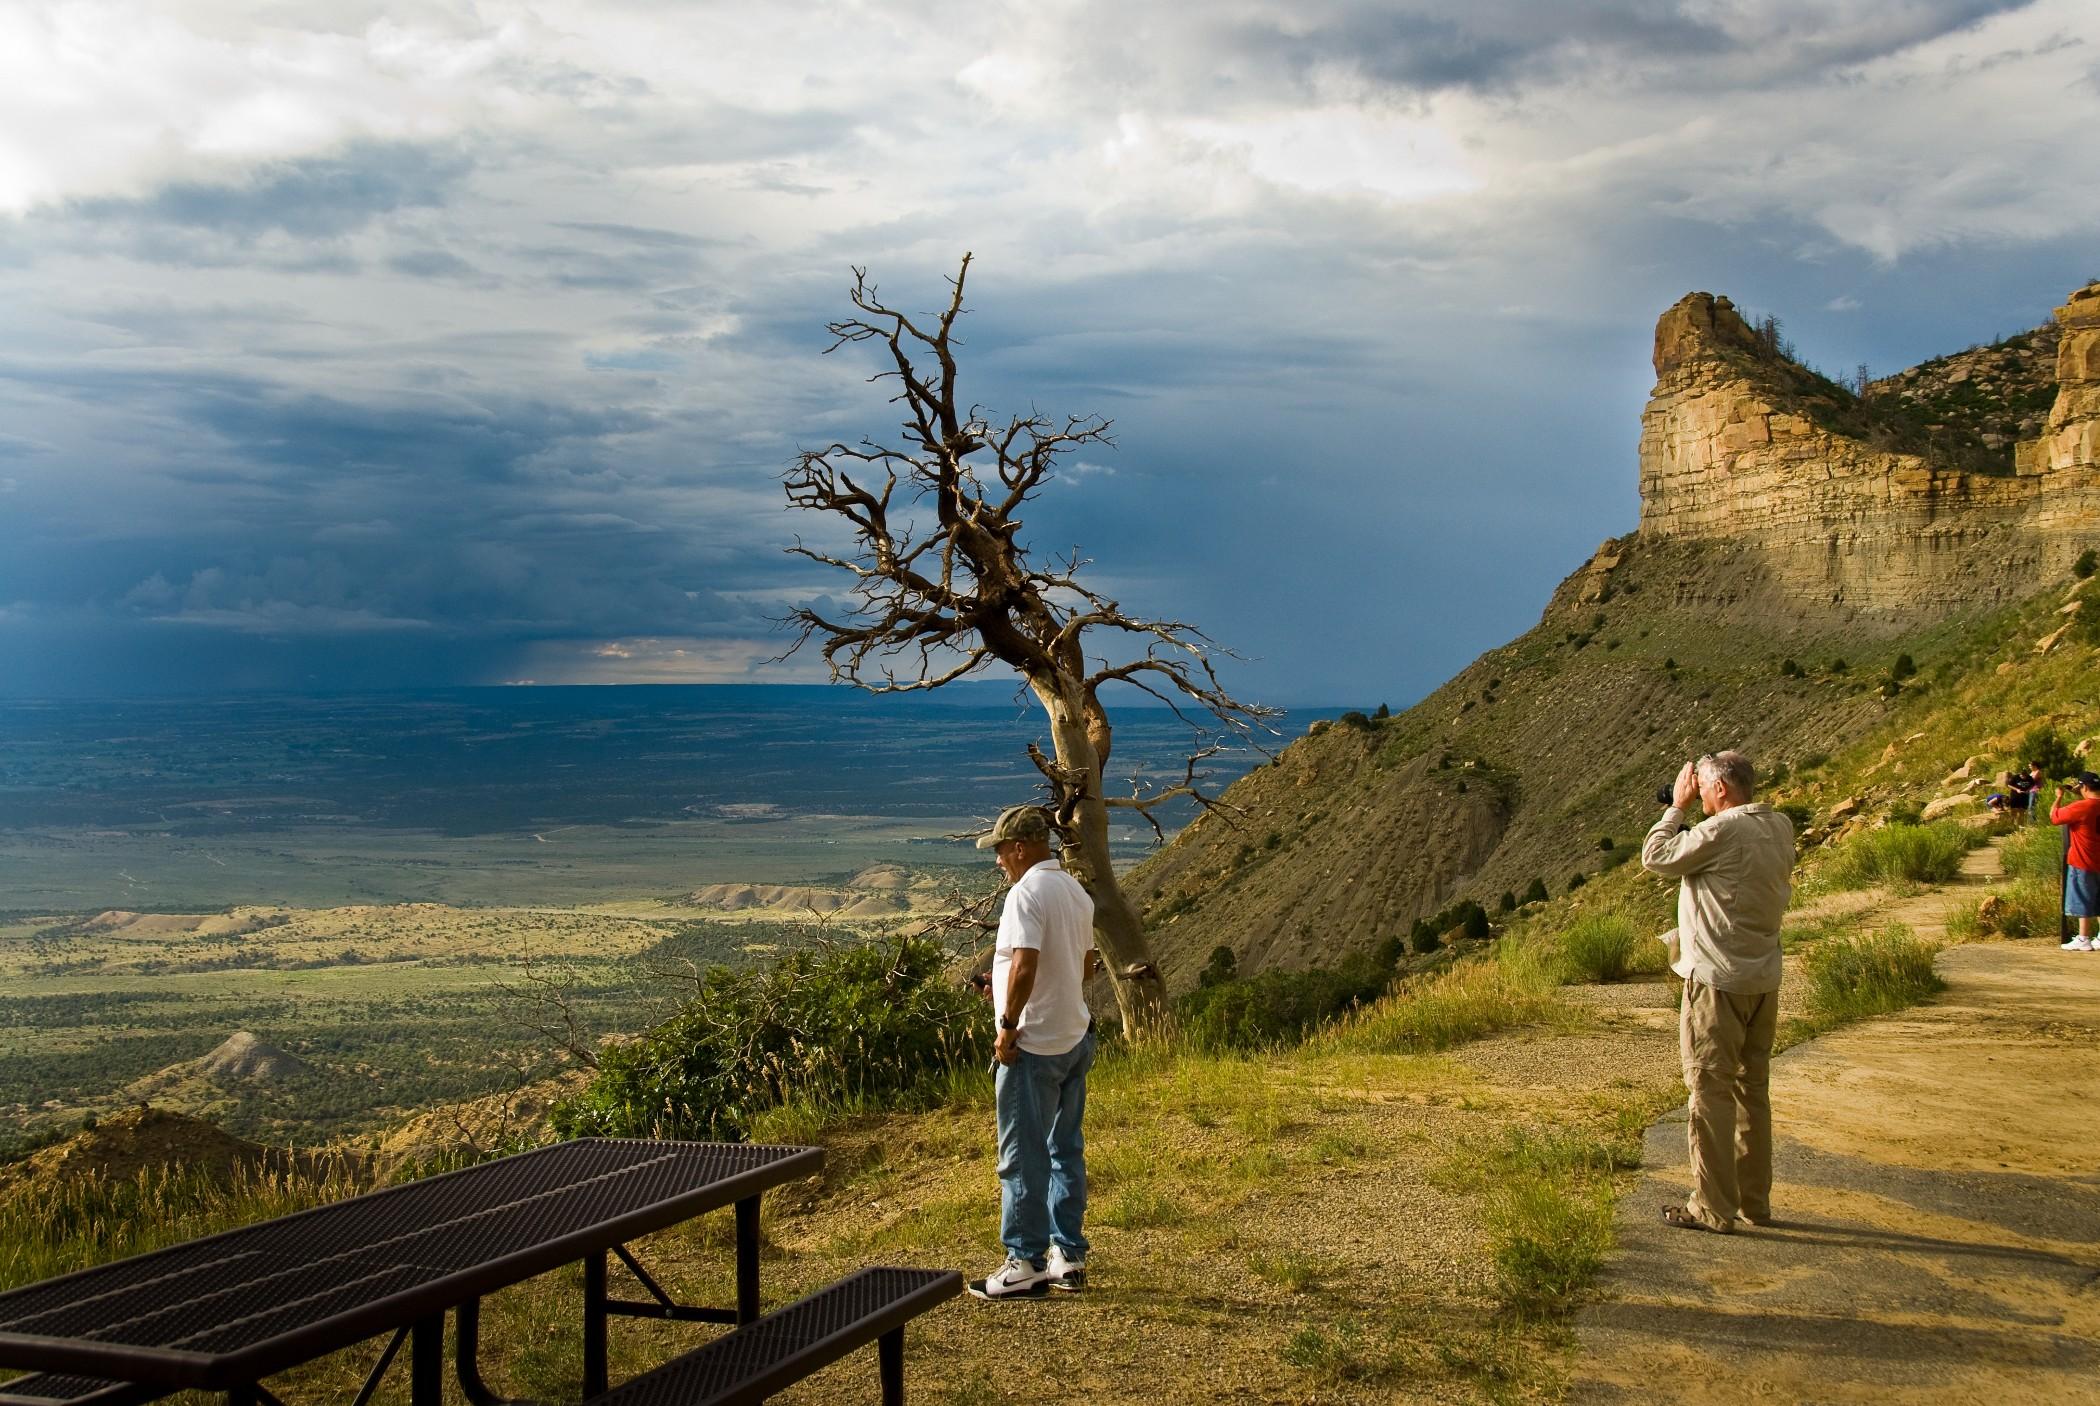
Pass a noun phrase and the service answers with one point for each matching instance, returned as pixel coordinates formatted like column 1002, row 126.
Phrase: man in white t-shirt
column 1040, row 965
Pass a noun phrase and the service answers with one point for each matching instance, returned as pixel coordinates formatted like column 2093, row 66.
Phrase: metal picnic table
column 226, row 1311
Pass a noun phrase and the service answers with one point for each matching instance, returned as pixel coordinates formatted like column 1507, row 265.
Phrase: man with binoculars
column 1735, row 867
column 2081, row 819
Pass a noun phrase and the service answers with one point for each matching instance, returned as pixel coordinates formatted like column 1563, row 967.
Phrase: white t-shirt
column 1047, row 910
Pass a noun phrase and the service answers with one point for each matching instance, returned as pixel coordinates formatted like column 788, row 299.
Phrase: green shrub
column 1509, row 901
column 1274, row 1008
column 1222, row 966
column 2084, row 566
column 1853, row 977
column 2041, row 744
column 1423, row 937
column 1535, row 891
column 828, row 1026
column 1924, row 854
column 1477, row 925
column 1576, row 880
column 2034, row 852
column 2031, row 907
column 1606, row 947
column 1903, row 668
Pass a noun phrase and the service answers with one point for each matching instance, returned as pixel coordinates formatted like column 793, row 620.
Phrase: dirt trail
column 1938, row 1195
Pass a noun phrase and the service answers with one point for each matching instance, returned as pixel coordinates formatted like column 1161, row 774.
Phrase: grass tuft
column 1851, row 978
column 1549, row 1237
column 1143, row 1207
column 1291, row 1270
column 1336, row 1357
column 1470, row 1000
column 1607, row 947
column 51, row 1229
column 1913, row 854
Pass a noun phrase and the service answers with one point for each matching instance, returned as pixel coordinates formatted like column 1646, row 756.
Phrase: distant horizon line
column 949, row 695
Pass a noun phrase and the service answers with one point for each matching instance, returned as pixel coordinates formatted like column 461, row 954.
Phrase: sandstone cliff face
column 2071, row 441
column 1736, row 445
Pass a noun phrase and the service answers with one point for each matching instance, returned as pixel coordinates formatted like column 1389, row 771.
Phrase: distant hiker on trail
column 2081, row 820
column 2024, row 789
column 1735, row 866
column 1040, row 965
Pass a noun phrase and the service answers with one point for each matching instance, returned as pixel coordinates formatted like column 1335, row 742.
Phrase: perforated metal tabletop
column 230, row 1309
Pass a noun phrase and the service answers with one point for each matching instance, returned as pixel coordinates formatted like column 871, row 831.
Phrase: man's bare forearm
column 1020, row 981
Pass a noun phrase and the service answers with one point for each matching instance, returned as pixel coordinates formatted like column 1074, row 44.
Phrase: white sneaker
column 1016, row 1279
column 1066, row 1271
column 2077, row 944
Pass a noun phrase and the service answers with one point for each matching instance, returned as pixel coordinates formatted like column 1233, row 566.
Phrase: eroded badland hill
column 1796, row 537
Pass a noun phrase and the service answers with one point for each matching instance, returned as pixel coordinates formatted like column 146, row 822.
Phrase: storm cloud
column 356, row 345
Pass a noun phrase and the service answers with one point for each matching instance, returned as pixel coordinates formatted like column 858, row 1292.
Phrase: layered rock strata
column 1737, row 445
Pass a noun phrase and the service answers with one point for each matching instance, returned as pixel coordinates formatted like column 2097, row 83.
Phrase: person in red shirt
column 2082, row 858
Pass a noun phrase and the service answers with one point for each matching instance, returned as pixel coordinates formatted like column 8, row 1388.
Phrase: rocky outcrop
column 2071, row 440
column 1740, row 444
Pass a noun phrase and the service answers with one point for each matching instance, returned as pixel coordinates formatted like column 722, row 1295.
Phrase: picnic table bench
column 224, row 1312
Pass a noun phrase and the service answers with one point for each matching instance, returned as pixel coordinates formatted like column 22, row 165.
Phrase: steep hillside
column 1781, row 568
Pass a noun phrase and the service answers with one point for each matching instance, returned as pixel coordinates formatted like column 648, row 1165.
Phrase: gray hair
column 1732, row 770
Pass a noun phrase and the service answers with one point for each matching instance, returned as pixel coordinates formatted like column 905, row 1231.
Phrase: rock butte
column 1724, row 456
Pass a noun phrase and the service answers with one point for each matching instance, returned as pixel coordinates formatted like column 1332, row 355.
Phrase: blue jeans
column 1041, row 1102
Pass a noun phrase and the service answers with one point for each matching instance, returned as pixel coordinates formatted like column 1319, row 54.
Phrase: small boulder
column 1847, row 807
column 2006, row 667
column 1990, row 914
column 2050, row 641
column 1945, row 805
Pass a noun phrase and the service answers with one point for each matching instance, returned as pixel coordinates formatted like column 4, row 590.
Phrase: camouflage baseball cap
column 1016, row 823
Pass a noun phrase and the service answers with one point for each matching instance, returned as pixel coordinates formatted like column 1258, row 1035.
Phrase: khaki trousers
column 1725, row 1041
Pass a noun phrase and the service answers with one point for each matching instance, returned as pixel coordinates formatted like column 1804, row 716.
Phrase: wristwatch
column 1007, row 1022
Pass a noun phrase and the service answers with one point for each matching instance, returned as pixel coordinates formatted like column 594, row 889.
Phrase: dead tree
column 943, row 587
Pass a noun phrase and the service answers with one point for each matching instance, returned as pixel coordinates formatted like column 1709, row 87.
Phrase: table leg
column 594, row 1323
column 747, row 1259
column 426, row 1361
column 466, row 1360
column 889, row 1348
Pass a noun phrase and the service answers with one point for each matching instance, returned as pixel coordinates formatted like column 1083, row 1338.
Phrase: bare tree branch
column 941, row 585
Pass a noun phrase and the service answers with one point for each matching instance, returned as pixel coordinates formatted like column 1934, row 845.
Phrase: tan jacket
column 1736, row 868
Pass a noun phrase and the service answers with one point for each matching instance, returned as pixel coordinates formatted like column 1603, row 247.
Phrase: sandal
column 1685, row 1220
